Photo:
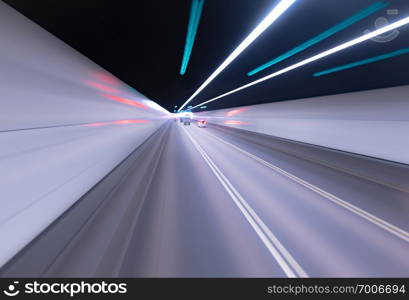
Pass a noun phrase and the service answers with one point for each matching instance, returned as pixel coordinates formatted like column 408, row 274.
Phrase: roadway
column 219, row 202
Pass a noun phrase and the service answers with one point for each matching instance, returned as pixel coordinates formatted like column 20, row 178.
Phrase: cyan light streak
column 192, row 20
column 272, row 16
column 363, row 62
column 324, row 35
column 195, row 13
column 367, row 36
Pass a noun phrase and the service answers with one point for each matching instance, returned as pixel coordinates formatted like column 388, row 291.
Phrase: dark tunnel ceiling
column 142, row 43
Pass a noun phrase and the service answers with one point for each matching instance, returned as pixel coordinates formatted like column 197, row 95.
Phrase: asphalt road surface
column 219, row 202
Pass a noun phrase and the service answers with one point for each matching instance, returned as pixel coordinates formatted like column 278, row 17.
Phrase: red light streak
column 107, row 78
column 236, row 111
column 234, row 122
column 118, row 122
column 97, row 124
column 125, row 101
column 101, row 87
column 121, row 122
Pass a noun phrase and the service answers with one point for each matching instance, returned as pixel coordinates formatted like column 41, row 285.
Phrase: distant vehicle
column 186, row 121
column 201, row 123
column 185, row 118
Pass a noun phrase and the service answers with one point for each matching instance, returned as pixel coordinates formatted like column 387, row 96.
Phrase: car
column 186, row 121
column 201, row 123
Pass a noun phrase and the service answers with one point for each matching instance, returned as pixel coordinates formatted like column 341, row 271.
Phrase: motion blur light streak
column 324, row 35
column 235, row 122
column 123, row 122
column 267, row 21
column 118, row 122
column 236, row 111
column 107, row 183
column 96, row 124
column 195, row 14
column 363, row 62
column 331, row 51
column 125, row 101
column 101, row 87
column 106, row 78
column 156, row 106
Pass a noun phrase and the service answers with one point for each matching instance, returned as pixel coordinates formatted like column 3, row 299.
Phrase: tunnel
column 210, row 139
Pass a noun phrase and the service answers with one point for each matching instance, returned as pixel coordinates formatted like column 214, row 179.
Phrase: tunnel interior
column 208, row 143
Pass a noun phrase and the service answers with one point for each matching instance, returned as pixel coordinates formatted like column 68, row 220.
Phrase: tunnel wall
column 64, row 124
column 373, row 123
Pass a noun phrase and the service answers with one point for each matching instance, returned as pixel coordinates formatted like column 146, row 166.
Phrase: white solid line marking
column 290, row 267
column 404, row 235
